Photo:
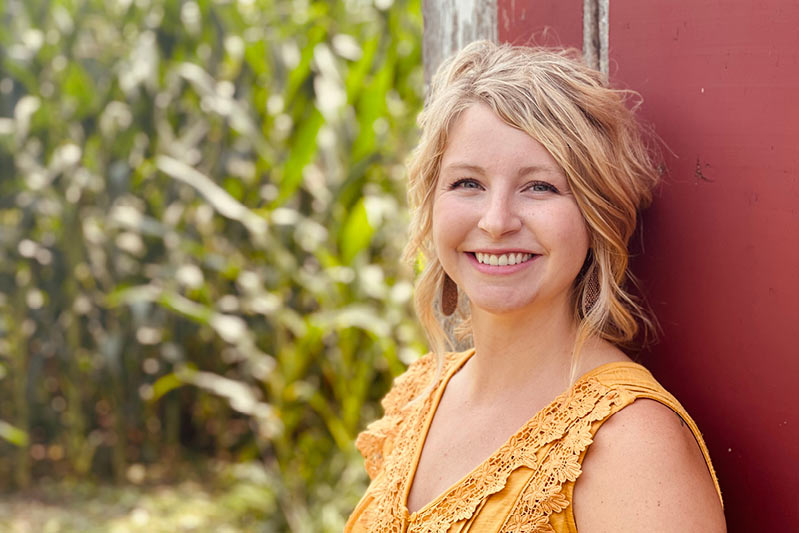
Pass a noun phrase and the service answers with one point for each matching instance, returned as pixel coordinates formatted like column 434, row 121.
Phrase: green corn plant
column 201, row 211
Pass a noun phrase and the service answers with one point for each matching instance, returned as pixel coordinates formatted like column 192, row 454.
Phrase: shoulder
column 645, row 471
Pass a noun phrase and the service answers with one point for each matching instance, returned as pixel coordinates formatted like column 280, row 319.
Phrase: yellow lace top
column 526, row 486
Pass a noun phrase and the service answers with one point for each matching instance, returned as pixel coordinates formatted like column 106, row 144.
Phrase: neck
column 518, row 350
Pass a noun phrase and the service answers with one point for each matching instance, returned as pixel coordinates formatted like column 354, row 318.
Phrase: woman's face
column 506, row 227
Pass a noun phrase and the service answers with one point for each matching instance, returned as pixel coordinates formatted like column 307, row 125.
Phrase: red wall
column 549, row 23
column 720, row 82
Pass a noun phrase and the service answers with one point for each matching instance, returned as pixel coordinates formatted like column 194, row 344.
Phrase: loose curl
column 593, row 135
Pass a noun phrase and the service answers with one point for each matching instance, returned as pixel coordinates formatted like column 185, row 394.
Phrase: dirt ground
column 83, row 508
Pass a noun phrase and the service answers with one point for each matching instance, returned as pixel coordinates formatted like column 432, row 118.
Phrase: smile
column 504, row 264
column 502, row 259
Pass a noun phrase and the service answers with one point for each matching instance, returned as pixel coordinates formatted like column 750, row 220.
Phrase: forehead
column 480, row 139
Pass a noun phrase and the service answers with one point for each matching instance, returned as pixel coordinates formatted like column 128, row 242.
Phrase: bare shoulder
column 645, row 472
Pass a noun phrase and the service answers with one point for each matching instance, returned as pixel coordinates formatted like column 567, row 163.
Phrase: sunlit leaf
column 356, row 233
column 225, row 204
column 164, row 385
column 14, row 435
column 304, row 149
column 354, row 316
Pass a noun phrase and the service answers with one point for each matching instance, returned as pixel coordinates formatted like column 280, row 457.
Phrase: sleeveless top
column 526, row 486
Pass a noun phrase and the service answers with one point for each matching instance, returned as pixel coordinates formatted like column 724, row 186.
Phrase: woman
column 525, row 189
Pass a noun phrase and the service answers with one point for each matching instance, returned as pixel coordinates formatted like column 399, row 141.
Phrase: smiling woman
column 525, row 190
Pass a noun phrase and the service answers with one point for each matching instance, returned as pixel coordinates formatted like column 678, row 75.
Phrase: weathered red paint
column 720, row 81
column 541, row 22
column 720, row 261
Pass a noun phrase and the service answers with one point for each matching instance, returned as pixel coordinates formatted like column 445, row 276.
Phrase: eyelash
column 459, row 183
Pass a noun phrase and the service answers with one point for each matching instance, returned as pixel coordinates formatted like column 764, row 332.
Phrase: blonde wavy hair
column 594, row 136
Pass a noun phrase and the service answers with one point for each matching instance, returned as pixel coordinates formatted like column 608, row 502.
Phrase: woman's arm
column 645, row 472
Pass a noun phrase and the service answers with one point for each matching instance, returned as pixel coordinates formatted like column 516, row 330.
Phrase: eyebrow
column 524, row 171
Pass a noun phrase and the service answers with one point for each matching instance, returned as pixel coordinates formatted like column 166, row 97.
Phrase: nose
column 499, row 215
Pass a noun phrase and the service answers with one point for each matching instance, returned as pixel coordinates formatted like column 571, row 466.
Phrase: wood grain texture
column 449, row 25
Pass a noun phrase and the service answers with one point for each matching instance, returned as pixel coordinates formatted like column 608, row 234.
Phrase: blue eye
column 542, row 186
column 466, row 183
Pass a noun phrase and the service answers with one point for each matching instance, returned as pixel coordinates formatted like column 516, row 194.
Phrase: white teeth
column 502, row 260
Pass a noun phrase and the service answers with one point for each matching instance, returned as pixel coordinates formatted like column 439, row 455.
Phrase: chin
column 496, row 306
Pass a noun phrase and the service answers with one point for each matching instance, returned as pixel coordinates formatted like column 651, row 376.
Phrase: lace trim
column 566, row 420
column 375, row 442
column 543, row 494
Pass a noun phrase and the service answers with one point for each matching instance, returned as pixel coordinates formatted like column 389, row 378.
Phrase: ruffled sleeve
column 377, row 441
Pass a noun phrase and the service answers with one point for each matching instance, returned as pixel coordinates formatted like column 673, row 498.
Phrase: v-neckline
column 431, row 411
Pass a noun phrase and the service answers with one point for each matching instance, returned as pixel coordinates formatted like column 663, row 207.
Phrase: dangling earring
column 449, row 296
column 591, row 290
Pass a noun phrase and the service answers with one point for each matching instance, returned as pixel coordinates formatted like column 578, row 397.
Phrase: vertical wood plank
column 602, row 27
column 591, row 44
column 449, row 25
column 595, row 33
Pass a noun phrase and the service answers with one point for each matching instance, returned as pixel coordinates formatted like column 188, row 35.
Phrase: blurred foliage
column 201, row 211
column 229, row 498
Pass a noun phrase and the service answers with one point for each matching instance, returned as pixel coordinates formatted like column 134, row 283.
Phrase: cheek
column 579, row 232
column 435, row 225
column 446, row 222
column 439, row 231
column 568, row 228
